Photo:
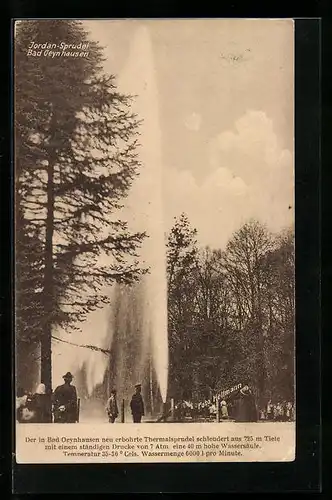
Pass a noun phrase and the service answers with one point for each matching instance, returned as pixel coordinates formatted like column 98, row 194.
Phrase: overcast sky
column 219, row 104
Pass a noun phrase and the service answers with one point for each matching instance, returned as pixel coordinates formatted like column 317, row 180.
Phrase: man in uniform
column 65, row 401
column 137, row 405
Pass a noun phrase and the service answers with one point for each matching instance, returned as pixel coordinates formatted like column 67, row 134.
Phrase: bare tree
column 244, row 261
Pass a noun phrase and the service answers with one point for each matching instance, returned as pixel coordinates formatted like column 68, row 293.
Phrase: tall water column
column 144, row 306
column 134, row 327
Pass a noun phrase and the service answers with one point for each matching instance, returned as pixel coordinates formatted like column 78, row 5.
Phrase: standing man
column 65, row 401
column 112, row 407
column 137, row 405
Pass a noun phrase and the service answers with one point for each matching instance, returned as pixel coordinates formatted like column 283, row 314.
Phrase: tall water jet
column 134, row 328
column 145, row 211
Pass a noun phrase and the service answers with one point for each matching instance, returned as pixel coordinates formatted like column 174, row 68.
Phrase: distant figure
column 288, row 410
column 278, row 412
column 179, row 411
column 224, row 411
column 65, row 401
column 137, row 405
column 112, row 407
column 269, row 410
column 212, row 409
column 41, row 406
column 21, row 399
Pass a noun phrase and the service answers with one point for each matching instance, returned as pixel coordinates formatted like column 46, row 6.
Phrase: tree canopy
column 231, row 312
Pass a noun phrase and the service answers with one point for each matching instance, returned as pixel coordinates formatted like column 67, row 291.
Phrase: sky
column 217, row 100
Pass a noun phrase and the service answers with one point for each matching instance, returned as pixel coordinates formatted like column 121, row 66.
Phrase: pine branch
column 86, row 346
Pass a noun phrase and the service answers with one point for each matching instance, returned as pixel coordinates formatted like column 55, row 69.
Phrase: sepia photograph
column 154, row 233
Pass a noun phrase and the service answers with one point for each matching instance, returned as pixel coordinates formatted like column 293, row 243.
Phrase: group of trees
column 75, row 159
column 231, row 312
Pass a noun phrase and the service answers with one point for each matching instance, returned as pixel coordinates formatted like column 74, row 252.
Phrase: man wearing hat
column 65, row 401
column 137, row 405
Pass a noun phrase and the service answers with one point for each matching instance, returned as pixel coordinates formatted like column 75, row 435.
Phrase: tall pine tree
column 76, row 157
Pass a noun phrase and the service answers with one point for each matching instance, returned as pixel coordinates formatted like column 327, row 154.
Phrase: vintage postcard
column 154, row 237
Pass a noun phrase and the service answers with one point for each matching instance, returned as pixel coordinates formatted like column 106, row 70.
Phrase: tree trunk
column 46, row 340
column 262, row 372
column 151, row 387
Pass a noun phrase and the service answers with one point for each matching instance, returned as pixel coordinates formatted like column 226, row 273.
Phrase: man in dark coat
column 246, row 408
column 137, row 405
column 65, row 401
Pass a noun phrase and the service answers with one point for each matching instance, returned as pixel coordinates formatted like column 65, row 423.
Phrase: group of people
column 42, row 407
column 281, row 411
column 201, row 410
column 204, row 409
column 237, row 409
column 63, row 405
column 136, row 406
column 240, row 406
